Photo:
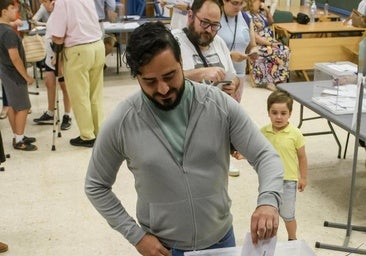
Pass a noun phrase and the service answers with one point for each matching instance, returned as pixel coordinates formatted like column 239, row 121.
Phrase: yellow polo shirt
column 286, row 142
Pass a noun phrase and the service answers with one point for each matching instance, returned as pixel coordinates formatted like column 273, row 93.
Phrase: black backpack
column 302, row 18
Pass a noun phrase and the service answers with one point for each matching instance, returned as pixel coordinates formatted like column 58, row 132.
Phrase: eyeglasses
column 215, row 26
column 236, row 3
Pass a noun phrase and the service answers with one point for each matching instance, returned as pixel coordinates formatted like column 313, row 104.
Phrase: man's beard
column 196, row 37
column 168, row 104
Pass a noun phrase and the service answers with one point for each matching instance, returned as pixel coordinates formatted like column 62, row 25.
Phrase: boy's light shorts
column 287, row 208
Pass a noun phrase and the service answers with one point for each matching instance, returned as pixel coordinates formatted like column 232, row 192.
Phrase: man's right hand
column 149, row 245
column 214, row 74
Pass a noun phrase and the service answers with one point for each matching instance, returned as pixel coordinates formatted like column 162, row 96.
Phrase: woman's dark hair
column 146, row 42
column 4, row 4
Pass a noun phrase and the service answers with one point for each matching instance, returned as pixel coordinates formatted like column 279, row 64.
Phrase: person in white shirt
column 180, row 10
column 43, row 13
column 272, row 5
column 205, row 54
column 362, row 7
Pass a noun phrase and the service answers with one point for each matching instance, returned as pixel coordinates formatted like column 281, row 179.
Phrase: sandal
column 21, row 145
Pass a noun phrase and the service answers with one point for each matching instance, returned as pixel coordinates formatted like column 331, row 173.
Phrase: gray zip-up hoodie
column 185, row 205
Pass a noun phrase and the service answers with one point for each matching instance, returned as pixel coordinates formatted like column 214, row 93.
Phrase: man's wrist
column 57, row 48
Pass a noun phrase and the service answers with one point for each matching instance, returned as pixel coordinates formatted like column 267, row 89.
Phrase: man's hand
column 237, row 56
column 182, row 6
column 229, row 89
column 112, row 16
column 149, row 245
column 162, row 3
column 213, row 74
column 17, row 22
column 264, row 223
column 30, row 80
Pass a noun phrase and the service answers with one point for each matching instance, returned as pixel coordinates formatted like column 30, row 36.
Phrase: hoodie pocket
column 172, row 221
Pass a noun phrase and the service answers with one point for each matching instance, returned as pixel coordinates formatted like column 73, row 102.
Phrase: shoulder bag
column 34, row 47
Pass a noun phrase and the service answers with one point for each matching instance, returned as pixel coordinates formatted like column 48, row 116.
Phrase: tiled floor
column 44, row 211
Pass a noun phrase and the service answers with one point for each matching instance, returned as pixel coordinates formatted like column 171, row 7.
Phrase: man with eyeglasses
column 206, row 57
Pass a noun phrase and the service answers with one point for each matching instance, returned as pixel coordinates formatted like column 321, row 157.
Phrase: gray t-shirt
column 42, row 14
column 8, row 40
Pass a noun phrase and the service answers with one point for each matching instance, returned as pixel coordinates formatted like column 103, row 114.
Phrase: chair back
column 283, row 17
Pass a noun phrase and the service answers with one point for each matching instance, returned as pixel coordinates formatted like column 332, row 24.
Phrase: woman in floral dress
column 271, row 67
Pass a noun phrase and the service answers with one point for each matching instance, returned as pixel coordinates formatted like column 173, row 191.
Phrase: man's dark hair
column 4, row 4
column 197, row 4
column 146, row 42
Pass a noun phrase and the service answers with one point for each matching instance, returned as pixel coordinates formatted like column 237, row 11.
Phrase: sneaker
column 79, row 142
column 66, row 122
column 3, row 247
column 21, row 145
column 233, row 171
column 44, row 119
column 26, row 140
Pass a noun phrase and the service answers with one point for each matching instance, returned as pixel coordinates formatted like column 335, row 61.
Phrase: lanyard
column 196, row 47
column 236, row 25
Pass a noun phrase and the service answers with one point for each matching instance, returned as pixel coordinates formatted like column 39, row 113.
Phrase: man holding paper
column 164, row 133
column 205, row 55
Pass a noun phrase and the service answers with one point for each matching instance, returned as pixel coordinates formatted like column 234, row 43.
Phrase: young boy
column 14, row 76
column 290, row 145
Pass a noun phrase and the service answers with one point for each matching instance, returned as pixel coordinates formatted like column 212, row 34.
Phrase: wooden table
column 319, row 12
column 295, row 29
column 312, row 49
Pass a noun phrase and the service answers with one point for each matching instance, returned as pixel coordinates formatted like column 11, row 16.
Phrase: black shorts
column 48, row 69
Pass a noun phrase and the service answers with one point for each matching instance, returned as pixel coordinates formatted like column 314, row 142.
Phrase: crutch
column 56, row 109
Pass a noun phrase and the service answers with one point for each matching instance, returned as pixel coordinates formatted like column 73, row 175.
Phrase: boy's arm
column 19, row 65
column 303, row 167
column 15, row 23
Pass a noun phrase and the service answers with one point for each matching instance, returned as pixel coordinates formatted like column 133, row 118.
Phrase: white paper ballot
column 24, row 26
column 262, row 248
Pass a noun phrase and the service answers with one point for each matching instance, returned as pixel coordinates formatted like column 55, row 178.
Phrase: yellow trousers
column 83, row 72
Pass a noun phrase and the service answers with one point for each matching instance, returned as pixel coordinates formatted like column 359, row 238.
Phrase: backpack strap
column 247, row 17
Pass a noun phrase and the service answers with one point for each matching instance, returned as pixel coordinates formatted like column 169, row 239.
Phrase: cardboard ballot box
column 293, row 248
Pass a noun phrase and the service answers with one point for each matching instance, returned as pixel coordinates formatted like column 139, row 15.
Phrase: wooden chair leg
column 250, row 72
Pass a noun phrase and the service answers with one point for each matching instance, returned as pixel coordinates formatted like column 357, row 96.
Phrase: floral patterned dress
column 271, row 66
